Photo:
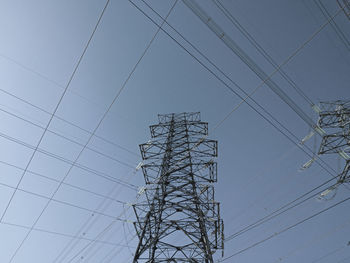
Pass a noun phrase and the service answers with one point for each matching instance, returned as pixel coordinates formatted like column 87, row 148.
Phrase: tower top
column 188, row 116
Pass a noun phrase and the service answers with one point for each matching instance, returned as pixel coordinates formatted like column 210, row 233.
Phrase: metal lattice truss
column 180, row 220
column 332, row 143
column 335, row 120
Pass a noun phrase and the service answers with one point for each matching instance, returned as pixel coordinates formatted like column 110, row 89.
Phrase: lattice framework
column 180, row 220
column 335, row 120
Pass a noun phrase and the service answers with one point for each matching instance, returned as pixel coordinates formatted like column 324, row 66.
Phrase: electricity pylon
column 179, row 221
column 335, row 120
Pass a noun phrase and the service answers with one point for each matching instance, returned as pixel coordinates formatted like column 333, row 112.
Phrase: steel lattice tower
column 335, row 120
column 180, row 220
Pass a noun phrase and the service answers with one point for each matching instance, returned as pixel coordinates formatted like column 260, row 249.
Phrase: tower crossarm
column 334, row 118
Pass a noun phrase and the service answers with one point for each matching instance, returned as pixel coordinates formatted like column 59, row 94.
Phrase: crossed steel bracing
column 335, row 120
column 180, row 220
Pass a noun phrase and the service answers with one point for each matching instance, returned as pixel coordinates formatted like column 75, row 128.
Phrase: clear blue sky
column 41, row 42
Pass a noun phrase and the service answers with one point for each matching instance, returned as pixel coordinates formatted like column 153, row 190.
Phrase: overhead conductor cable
column 233, row 46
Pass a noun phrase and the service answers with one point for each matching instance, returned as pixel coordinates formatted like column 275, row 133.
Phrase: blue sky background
column 258, row 167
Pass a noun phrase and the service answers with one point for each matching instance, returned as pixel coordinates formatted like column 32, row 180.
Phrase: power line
column 157, row 24
column 89, row 255
column 279, row 211
column 113, row 255
column 68, row 84
column 88, row 224
column 233, row 46
column 145, row 51
column 85, row 227
column 111, row 235
column 169, row 35
column 42, row 76
column 197, row 58
column 53, row 113
column 236, row 85
column 57, row 181
column 141, row 57
column 314, row 240
column 231, row 89
column 250, row 95
column 67, row 139
column 267, row 218
column 239, row 87
column 285, row 180
column 241, row 97
column 328, row 254
column 99, row 235
column 334, row 24
column 308, row 5
column 285, row 229
column 343, row 260
column 69, row 122
column 163, row 30
column 80, row 166
column 151, row 19
column 261, row 50
column 66, row 203
column 60, row 201
column 266, row 79
column 61, row 234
